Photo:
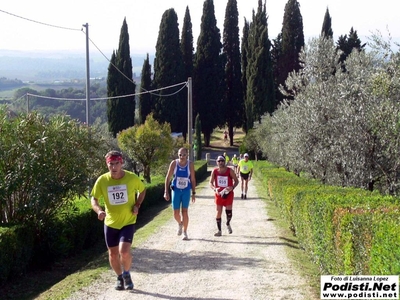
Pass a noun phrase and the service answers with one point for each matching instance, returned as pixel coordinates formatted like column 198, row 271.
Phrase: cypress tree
column 207, row 73
column 121, row 111
column 171, row 105
column 326, row 30
column 347, row 44
column 187, row 45
column 145, row 85
column 244, row 55
column 260, row 91
column 112, row 107
column 233, row 96
column 292, row 42
column 276, row 52
column 187, row 53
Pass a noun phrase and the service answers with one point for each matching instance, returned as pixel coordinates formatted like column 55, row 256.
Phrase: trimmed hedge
column 16, row 246
column 344, row 230
column 374, row 245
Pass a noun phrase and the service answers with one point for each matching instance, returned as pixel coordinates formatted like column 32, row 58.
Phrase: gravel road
column 250, row 263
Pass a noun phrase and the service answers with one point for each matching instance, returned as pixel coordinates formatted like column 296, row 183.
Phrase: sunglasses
column 182, row 154
column 220, row 161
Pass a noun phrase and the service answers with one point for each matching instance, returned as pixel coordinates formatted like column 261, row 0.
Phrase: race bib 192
column 117, row 194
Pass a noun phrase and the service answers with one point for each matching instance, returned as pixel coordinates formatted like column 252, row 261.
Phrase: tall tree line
column 234, row 84
column 220, row 90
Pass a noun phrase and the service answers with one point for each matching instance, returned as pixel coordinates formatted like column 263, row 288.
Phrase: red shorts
column 224, row 202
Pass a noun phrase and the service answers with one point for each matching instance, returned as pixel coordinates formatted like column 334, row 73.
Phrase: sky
column 58, row 24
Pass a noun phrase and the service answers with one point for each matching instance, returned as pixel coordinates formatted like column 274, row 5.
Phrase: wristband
column 193, row 193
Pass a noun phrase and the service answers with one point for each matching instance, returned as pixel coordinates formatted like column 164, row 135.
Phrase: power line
column 110, row 61
column 166, row 95
column 52, row 98
column 70, row 99
column 38, row 22
column 184, row 84
column 145, row 91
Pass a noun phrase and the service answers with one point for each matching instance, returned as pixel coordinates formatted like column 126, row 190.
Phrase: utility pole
column 190, row 117
column 87, row 75
column 87, row 88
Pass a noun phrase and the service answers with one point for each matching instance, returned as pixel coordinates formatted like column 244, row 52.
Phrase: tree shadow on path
column 162, row 296
column 148, row 261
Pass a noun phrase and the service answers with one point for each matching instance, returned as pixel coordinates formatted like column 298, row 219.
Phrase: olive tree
column 150, row 144
column 341, row 127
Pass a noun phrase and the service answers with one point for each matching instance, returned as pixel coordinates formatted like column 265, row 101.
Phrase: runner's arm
column 97, row 208
column 168, row 179
column 140, row 198
column 235, row 179
column 139, row 202
column 211, row 182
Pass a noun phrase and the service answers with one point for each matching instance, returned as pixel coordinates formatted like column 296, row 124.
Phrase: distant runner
column 246, row 171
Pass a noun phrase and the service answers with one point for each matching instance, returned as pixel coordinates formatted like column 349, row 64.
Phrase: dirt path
column 250, row 263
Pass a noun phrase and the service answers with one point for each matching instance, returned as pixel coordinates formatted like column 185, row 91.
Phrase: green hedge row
column 34, row 246
column 344, row 230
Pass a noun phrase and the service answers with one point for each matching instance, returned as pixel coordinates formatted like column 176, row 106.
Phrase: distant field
column 7, row 93
column 40, row 87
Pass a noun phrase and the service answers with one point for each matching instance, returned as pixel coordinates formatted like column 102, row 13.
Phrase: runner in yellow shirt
column 122, row 192
column 226, row 158
column 245, row 167
column 235, row 162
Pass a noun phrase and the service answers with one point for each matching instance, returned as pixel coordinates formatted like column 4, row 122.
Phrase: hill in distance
column 50, row 66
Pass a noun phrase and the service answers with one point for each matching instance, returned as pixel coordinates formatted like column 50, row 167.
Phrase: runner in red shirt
column 223, row 181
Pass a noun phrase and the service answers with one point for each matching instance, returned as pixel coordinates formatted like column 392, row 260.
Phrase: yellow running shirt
column 119, row 198
column 245, row 167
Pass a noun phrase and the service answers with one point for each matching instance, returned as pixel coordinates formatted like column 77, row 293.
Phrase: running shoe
column 245, row 197
column 241, row 197
column 120, row 283
column 218, row 233
column 185, row 236
column 229, row 229
column 128, row 281
column 180, row 227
